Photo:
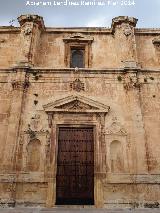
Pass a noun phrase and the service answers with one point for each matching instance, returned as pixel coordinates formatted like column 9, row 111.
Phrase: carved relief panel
column 36, row 142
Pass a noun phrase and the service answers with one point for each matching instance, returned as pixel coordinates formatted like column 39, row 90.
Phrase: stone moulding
column 132, row 178
column 130, row 64
column 76, row 103
column 147, row 31
column 86, row 70
column 78, row 37
column 38, row 177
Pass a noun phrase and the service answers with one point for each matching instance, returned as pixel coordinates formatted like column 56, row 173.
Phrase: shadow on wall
column 116, row 155
column 33, row 155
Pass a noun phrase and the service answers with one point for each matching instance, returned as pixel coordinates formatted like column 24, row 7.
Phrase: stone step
column 67, row 209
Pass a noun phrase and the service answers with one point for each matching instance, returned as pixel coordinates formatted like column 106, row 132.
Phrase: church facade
column 79, row 115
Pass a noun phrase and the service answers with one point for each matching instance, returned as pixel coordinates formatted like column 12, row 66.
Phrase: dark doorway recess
column 75, row 166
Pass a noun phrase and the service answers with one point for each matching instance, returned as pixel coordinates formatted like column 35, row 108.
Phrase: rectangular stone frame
column 85, row 46
column 79, row 41
column 99, row 173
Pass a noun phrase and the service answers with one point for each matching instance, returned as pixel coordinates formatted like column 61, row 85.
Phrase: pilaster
column 123, row 30
column 31, row 28
column 19, row 87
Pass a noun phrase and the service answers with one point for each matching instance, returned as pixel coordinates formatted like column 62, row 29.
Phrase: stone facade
column 117, row 93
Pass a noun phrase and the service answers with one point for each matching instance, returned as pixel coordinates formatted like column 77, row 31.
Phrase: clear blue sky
column 147, row 11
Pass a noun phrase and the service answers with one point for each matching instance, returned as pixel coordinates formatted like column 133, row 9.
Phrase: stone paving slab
column 80, row 210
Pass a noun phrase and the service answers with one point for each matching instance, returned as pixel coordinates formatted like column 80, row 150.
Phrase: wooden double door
column 75, row 166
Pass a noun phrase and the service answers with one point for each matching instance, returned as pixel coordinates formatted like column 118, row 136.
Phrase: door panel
column 75, row 166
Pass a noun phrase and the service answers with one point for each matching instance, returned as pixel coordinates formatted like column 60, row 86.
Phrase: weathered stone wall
column 150, row 105
column 148, row 53
column 116, row 45
column 121, row 87
column 6, row 104
column 9, row 46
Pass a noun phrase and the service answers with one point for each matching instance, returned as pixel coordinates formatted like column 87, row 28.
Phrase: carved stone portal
column 63, row 113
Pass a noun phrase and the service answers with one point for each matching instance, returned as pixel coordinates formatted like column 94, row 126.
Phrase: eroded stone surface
column 117, row 92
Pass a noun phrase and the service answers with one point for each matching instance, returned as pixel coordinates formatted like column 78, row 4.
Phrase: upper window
column 78, row 51
column 77, row 58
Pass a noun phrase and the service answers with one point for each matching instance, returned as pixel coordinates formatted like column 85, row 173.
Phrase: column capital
column 123, row 19
column 31, row 18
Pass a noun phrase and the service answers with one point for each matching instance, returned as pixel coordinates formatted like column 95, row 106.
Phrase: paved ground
column 80, row 210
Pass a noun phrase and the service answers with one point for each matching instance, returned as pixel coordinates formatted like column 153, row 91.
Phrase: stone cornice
column 9, row 29
column 78, row 37
column 87, row 71
column 111, row 178
column 84, row 70
column 147, row 31
column 100, row 30
column 94, row 30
